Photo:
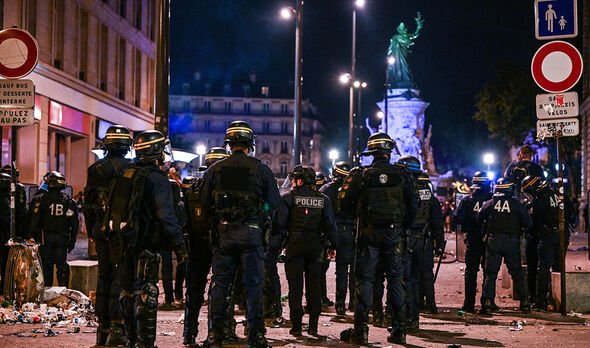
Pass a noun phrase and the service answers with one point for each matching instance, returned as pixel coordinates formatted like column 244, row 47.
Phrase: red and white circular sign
column 19, row 53
column 557, row 66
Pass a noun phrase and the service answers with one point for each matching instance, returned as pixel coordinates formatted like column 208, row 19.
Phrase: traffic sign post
column 556, row 19
column 557, row 66
column 557, row 105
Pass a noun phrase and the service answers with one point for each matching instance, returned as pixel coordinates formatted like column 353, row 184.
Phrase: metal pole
column 162, row 69
column 358, row 125
column 386, row 94
column 351, row 93
column 298, row 78
column 562, row 239
column 13, row 183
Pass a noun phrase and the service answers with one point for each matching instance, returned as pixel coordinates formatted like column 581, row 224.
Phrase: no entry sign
column 19, row 53
column 557, row 66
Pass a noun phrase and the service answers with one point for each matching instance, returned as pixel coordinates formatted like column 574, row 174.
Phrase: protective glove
column 181, row 253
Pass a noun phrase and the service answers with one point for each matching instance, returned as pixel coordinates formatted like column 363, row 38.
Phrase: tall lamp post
column 390, row 62
column 359, row 86
column 357, row 4
column 289, row 13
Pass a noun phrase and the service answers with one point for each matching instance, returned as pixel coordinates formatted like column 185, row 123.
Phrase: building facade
column 97, row 62
column 585, row 101
column 203, row 117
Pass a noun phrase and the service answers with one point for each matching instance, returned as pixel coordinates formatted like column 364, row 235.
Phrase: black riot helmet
column 117, row 138
column 305, row 173
column 215, row 154
column 480, row 181
column 5, row 181
column 379, row 143
column 533, row 185
column 56, row 180
column 149, row 146
column 188, row 181
column 504, row 185
column 8, row 170
column 412, row 163
column 320, row 179
column 340, row 170
column 239, row 133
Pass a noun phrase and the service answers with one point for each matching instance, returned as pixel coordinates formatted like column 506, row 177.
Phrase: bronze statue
column 398, row 73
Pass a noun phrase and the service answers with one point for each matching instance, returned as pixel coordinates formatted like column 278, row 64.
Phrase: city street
column 449, row 328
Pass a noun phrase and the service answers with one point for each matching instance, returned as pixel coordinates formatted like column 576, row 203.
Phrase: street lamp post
column 357, row 4
column 201, row 150
column 390, row 61
column 288, row 13
column 359, row 85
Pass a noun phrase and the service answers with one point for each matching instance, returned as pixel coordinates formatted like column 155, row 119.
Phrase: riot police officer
column 143, row 216
column 307, row 216
column 517, row 170
column 198, row 229
column 505, row 218
column 101, row 174
column 384, row 196
column 239, row 192
column 346, row 234
column 466, row 219
column 545, row 215
column 55, row 225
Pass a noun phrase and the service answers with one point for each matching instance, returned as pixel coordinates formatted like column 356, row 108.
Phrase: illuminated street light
column 201, row 150
column 345, row 79
column 359, row 3
column 380, row 115
column 390, row 60
column 489, row 158
column 333, row 156
column 289, row 13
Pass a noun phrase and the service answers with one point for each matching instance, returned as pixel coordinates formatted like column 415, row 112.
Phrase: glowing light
column 390, row 60
column 333, row 155
column 287, row 13
column 201, row 149
column 345, row 78
column 380, row 114
column 360, row 3
column 488, row 158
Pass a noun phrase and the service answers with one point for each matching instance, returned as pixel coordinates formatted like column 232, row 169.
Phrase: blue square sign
column 556, row 19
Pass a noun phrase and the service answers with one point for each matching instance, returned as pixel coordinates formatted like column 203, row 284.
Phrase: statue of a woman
column 398, row 73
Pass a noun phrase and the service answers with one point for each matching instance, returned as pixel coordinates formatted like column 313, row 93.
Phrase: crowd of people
column 382, row 222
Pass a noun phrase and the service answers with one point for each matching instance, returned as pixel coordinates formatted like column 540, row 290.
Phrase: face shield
column 287, row 185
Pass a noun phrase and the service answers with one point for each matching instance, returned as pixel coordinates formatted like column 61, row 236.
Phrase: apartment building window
column 31, row 19
column 264, row 91
column 138, row 14
column 58, row 33
column 284, row 109
column 283, row 168
column 284, row 147
column 123, row 8
column 265, row 146
column 246, row 108
column 208, row 106
column 207, row 125
column 284, row 127
column 266, row 127
column 137, row 86
column 227, row 107
column 266, row 108
column 246, row 90
column 83, row 46
column 122, row 56
column 104, row 57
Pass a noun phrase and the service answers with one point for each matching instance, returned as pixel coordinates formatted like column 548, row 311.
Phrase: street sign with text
column 556, row 19
column 16, row 117
column 557, row 105
column 568, row 127
column 17, row 94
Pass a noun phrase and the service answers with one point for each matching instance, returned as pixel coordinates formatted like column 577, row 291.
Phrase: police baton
column 440, row 260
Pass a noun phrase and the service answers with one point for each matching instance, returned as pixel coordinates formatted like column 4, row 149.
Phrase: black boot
column 189, row 340
column 259, row 341
column 340, row 309
column 296, row 329
column 486, row 307
column 117, row 336
column 377, row 318
column 312, row 328
column 102, row 332
column 214, row 339
column 360, row 335
column 397, row 337
column 413, row 325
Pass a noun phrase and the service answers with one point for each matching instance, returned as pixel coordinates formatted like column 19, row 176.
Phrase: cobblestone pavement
column 446, row 329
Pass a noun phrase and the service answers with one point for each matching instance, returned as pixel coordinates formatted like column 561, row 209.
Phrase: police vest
column 55, row 209
column 234, row 194
column 197, row 220
column 382, row 201
column 125, row 202
column 424, row 203
column 101, row 179
column 504, row 217
column 551, row 217
column 306, row 215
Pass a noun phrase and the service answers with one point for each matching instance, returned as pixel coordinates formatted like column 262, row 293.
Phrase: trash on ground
column 587, row 323
column 181, row 318
column 574, row 314
column 167, row 333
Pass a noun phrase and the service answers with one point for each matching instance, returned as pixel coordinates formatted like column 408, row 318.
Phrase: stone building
column 96, row 68
column 200, row 112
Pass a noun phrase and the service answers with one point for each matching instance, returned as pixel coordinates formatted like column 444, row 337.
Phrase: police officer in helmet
column 55, row 226
column 101, row 174
column 505, row 219
column 198, row 229
column 239, row 193
column 545, row 215
column 307, row 217
column 382, row 198
column 466, row 219
column 142, row 214
column 345, row 233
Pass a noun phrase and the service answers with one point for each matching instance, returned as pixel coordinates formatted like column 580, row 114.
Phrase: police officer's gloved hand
column 181, row 253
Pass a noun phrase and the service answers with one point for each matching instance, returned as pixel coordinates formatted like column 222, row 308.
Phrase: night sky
column 453, row 58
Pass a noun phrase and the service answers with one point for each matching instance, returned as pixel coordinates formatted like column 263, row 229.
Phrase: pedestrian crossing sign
column 556, row 19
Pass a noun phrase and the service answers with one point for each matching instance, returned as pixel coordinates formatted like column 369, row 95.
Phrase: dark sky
column 454, row 56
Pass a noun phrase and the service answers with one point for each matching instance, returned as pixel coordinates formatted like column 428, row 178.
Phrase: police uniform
column 466, row 217
column 198, row 265
column 143, row 215
column 101, row 175
column 55, row 226
column 382, row 195
column 545, row 216
column 346, row 234
column 238, row 192
column 505, row 219
column 307, row 216
column 20, row 219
